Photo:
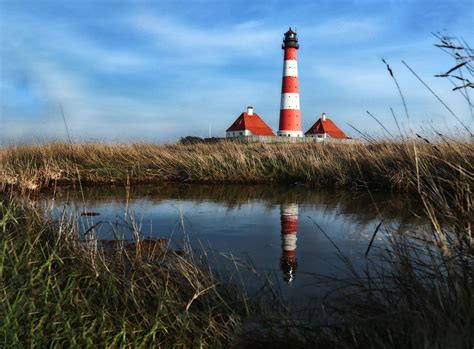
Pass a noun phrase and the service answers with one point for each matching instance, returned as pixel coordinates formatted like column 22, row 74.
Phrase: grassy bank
column 57, row 292
column 385, row 165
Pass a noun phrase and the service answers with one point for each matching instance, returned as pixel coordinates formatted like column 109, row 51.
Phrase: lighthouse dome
column 290, row 39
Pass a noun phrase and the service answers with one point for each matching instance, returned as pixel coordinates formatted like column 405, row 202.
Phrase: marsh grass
column 56, row 291
column 386, row 165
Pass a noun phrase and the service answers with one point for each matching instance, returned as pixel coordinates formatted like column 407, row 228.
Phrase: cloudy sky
column 159, row 70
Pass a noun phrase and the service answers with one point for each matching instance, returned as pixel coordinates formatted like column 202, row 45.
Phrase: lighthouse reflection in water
column 289, row 228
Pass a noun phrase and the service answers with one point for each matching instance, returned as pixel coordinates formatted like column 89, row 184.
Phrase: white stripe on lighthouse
column 289, row 210
column 290, row 68
column 290, row 101
column 289, row 242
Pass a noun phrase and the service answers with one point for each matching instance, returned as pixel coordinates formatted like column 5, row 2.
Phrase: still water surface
column 273, row 229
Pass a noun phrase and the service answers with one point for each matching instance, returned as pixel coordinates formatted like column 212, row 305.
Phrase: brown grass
column 386, row 165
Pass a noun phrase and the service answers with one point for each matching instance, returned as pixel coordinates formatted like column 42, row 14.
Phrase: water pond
column 289, row 235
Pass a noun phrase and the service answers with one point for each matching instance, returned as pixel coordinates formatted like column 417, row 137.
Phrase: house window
column 240, row 133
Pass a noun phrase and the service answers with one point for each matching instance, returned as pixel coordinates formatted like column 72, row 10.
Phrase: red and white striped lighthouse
column 290, row 117
column 289, row 228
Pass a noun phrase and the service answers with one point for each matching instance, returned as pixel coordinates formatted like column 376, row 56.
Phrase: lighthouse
column 290, row 117
column 289, row 228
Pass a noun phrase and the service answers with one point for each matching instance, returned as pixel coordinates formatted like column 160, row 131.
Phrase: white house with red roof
column 249, row 124
column 325, row 128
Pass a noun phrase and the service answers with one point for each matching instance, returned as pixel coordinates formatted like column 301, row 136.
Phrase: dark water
column 278, row 231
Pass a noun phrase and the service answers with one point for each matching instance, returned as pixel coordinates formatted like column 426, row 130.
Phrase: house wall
column 238, row 133
column 284, row 133
column 274, row 139
column 319, row 137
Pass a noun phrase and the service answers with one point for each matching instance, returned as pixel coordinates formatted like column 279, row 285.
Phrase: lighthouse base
column 284, row 133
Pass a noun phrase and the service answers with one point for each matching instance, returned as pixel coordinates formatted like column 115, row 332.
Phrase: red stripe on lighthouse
column 289, row 120
column 290, row 53
column 289, row 225
column 289, row 84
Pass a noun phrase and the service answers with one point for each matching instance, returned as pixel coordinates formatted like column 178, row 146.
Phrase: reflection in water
column 243, row 221
column 361, row 207
column 289, row 229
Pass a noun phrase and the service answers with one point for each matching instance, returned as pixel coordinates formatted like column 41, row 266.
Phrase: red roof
column 326, row 126
column 253, row 123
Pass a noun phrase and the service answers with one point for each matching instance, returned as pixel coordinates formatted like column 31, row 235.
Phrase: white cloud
column 90, row 113
column 59, row 41
column 214, row 44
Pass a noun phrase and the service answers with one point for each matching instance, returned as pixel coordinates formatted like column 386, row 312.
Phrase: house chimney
column 249, row 110
column 324, row 117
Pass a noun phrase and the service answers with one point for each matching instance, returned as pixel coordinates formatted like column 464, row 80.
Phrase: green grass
column 57, row 292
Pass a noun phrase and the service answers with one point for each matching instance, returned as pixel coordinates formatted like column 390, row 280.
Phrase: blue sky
column 156, row 71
